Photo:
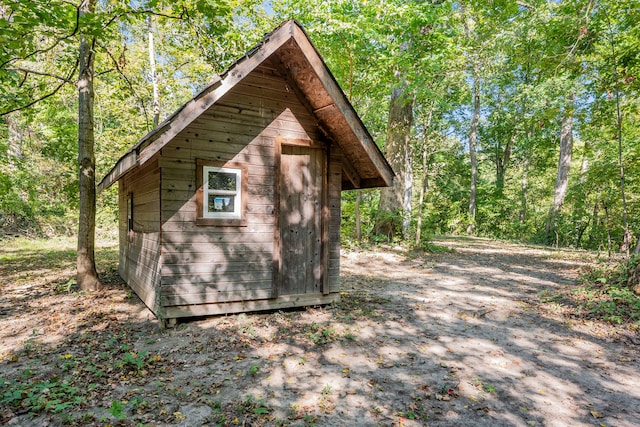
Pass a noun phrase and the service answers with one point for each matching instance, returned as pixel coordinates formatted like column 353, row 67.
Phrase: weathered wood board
column 277, row 124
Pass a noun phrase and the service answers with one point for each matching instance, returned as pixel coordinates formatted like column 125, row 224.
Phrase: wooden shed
column 233, row 203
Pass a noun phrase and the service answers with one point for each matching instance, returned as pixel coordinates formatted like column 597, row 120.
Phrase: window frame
column 221, row 218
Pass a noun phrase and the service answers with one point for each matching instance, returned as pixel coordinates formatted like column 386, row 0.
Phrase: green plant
column 432, row 248
column 606, row 294
column 65, row 287
column 117, row 409
column 310, row 420
column 254, row 369
column 484, row 386
column 136, row 360
column 53, row 395
column 137, row 403
column 319, row 335
column 253, row 406
column 349, row 336
column 409, row 414
column 547, row 297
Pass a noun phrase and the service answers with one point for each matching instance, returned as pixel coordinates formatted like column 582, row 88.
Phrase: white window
column 222, row 192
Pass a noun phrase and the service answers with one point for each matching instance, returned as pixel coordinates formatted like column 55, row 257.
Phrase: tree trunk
column 423, row 190
column 358, row 219
column 584, row 165
column 14, row 150
column 582, row 225
column 394, row 208
column 608, row 227
column 524, row 188
column 152, row 69
column 87, row 277
column 473, row 135
column 596, row 222
column 564, row 165
column 628, row 235
column 424, row 183
column 502, row 161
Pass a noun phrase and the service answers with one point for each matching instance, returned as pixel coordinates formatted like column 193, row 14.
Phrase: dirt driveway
column 476, row 337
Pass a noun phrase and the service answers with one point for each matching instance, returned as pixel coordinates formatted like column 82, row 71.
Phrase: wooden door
column 300, row 220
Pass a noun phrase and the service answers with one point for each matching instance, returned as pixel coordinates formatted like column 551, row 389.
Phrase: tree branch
column 525, row 5
column 35, row 101
column 143, row 11
column 52, row 46
column 77, row 27
column 102, row 73
column 583, row 32
column 39, row 73
column 126, row 79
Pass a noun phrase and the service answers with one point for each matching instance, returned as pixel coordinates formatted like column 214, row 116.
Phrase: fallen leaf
column 596, row 414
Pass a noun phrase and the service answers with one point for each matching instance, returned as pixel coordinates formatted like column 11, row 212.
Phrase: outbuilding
column 233, row 203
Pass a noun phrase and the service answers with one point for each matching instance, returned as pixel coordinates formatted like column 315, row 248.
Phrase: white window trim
column 237, row 208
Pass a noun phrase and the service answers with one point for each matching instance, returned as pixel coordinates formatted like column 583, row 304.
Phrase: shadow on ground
column 455, row 339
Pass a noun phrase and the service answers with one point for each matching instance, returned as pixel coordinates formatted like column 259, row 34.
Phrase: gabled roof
column 366, row 166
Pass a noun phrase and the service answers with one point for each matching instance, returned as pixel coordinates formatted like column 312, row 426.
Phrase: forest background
column 506, row 119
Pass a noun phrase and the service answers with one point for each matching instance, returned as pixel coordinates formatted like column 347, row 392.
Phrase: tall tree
column 394, row 209
column 564, row 165
column 152, row 71
column 474, row 48
column 426, row 154
column 615, row 75
column 86, row 267
column 43, row 37
column 473, row 136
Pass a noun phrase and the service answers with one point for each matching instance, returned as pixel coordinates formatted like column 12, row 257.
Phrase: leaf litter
column 465, row 337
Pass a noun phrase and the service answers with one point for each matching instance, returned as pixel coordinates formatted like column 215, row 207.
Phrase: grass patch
column 427, row 246
column 24, row 259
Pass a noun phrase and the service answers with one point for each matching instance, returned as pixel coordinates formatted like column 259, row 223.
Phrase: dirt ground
column 481, row 336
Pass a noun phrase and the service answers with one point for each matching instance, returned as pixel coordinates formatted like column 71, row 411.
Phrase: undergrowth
column 606, row 293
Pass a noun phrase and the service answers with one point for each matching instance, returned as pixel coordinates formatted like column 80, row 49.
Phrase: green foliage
column 482, row 385
column 606, row 294
column 53, row 395
column 254, row 369
column 117, row 409
column 429, row 247
column 533, row 57
column 253, row 406
column 134, row 360
column 320, row 335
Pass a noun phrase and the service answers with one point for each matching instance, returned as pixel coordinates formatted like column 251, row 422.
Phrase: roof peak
column 308, row 71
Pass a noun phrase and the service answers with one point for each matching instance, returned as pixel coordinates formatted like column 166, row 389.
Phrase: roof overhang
column 365, row 164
